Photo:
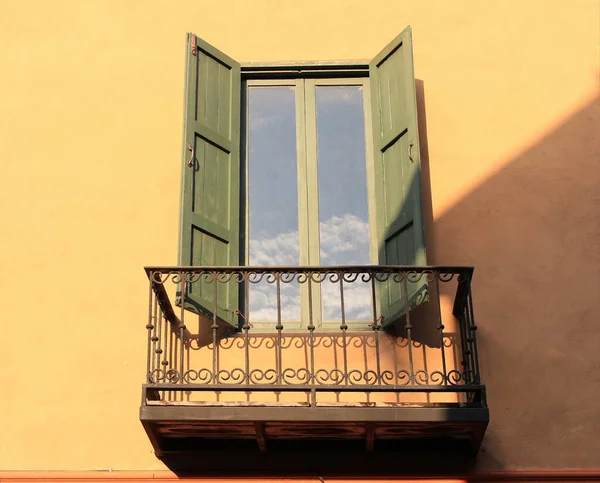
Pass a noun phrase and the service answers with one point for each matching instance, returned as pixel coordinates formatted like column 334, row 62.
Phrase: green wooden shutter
column 399, row 214
column 210, row 192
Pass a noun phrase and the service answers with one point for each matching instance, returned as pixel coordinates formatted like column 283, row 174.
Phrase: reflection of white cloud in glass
column 357, row 301
column 282, row 249
column 344, row 240
column 330, row 97
column 348, row 241
column 264, row 121
column 263, row 304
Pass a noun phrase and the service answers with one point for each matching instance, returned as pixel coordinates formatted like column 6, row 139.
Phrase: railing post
column 311, row 329
column 408, row 327
column 155, row 337
column 149, row 327
column 246, row 328
column 464, row 344
column 375, row 327
column 165, row 359
column 160, row 350
column 472, row 330
column 214, row 328
column 181, row 327
column 440, row 326
column 344, row 328
column 279, row 328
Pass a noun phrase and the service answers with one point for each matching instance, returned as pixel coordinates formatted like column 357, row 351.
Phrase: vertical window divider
column 244, row 199
column 369, row 154
column 312, row 186
column 244, row 179
column 303, row 195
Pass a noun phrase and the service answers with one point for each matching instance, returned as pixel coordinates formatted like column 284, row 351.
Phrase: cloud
column 339, row 94
column 263, row 302
column 344, row 241
column 271, row 106
column 282, row 249
column 263, row 121
column 357, row 301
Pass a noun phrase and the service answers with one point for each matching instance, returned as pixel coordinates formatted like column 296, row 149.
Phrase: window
column 334, row 146
column 306, row 190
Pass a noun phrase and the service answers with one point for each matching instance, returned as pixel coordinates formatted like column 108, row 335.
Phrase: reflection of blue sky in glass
column 343, row 209
column 272, row 163
column 273, row 196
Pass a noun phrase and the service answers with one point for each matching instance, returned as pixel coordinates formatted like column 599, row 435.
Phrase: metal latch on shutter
column 194, row 44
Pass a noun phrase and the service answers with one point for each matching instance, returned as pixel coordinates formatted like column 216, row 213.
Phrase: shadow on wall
column 426, row 317
column 532, row 232
column 425, row 172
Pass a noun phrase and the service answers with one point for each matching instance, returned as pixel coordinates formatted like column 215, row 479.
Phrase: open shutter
column 210, row 194
column 399, row 214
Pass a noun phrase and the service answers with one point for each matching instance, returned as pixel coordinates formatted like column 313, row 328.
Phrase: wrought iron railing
column 424, row 353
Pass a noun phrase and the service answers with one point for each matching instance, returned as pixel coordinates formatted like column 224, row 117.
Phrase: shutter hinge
column 194, row 44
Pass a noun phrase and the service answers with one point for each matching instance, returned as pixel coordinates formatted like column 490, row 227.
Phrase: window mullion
column 370, row 172
column 314, row 250
column 303, row 194
column 245, row 185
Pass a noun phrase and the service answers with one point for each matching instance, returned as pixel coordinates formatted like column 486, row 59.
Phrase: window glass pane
column 343, row 209
column 272, row 196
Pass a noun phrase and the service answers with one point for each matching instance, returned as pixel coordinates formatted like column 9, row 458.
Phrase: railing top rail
column 468, row 270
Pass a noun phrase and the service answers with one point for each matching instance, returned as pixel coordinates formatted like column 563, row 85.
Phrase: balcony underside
column 193, row 435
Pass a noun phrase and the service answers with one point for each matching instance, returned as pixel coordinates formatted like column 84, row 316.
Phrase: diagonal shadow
column 532, row 231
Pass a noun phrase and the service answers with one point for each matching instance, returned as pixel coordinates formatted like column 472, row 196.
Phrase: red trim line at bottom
column 169, row 477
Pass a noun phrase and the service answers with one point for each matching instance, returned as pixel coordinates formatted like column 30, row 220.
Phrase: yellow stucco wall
column 90, row 135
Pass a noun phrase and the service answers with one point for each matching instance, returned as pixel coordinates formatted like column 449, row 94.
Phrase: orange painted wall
column 91, row 97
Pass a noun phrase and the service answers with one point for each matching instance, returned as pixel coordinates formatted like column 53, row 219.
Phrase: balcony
column 259, row 378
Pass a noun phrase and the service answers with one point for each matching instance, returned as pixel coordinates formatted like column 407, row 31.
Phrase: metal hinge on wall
column 194, row 44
